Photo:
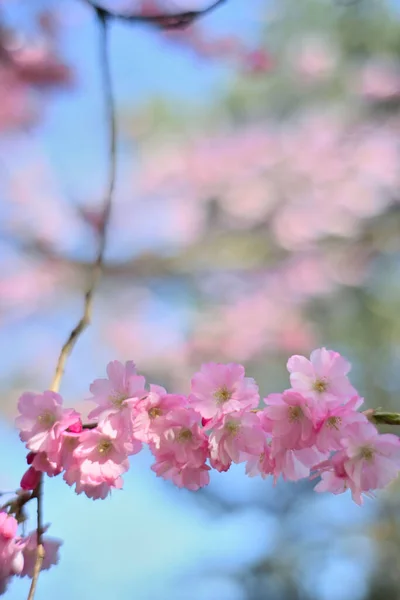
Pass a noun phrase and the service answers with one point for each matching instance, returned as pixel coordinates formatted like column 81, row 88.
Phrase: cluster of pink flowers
column 18, row 554
column 312, row 429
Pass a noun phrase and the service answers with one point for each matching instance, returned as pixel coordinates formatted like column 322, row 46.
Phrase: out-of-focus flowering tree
column 245, row 229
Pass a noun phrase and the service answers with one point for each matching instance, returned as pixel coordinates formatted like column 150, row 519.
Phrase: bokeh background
column 257, row 215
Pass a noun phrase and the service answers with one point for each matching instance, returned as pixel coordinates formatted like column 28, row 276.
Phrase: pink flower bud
column 76, row 427
column 30, row 479
column 30, row 457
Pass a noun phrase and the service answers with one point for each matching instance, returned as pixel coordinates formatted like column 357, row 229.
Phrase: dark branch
column 160, row 21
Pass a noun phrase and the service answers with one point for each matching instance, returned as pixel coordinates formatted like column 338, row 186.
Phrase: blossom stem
column 38, row 494
column 383, row 418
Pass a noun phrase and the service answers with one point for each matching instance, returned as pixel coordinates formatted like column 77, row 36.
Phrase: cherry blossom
column 11, row 547
column 192, row 478
column 51, row 553
column 42, row 420
column 323, row 377
column 290, row 419
column 151, row 409
column 116, row 397
column 218, row 389
column 234, row 437
column 314, row 429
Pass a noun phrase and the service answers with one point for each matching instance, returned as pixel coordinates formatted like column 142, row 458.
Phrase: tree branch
column 161, row 21
column 39, row 532
column 97, row 266
column 96, row 270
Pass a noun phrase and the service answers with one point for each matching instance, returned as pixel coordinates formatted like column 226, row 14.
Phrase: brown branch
column 95, row 274
column 40, row 552
column 89, row 425
column 176, row 20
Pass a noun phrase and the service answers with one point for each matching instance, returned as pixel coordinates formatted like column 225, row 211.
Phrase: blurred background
column 257, row 215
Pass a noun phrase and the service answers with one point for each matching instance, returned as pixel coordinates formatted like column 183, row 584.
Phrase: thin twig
column 38, row 493
column 176, row 20
column 96, row 270
column 98, row 264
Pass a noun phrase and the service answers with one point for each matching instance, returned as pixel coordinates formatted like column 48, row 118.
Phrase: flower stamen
column 222, row 395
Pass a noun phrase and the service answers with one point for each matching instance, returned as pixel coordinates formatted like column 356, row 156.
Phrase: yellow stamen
column 154, row 412
column 295, row 413
column 185, row 435
column 232, row 427
column 104, row 447
column 222, row 395
column 334, row 422
column 118, row 399
column 47, row 419
column 320, row 385
column 367, row 453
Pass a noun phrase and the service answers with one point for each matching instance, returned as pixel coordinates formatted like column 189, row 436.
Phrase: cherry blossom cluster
column 18, row 554
column 312, row 429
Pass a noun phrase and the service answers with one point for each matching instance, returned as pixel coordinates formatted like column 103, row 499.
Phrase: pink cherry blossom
column 51, row 466
column 369, row 461
column 92, row 487
column 117, row 398
column 262, row 465
column 338, row 423
column 334, row 477
column 323, row 377
column 293, row 464
column 51, row 553
column 219, row 389
column 181, row 436
column 11, row 558
column 234, row 437
column 373, row 458
column 121, row 384
column 42, row 420
column 190, row 477
column 151, row 409
column 290, row 419
column 61, row 458
column 98, row 462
